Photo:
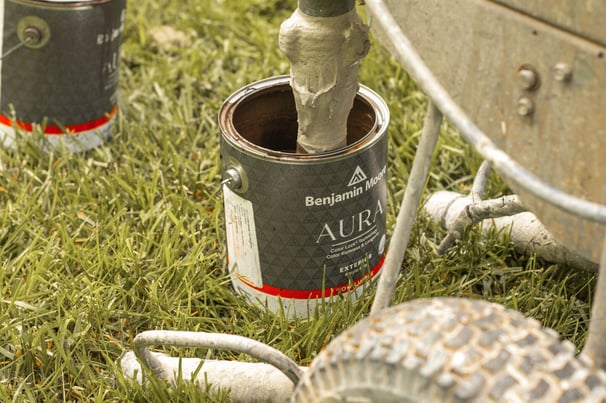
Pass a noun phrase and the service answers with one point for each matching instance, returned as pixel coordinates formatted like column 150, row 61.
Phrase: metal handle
column 219, row 341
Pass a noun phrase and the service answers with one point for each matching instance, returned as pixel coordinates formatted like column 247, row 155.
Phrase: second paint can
column 301, row 228
column 59, row 70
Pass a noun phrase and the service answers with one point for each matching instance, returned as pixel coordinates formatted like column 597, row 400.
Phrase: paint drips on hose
column 324, row 52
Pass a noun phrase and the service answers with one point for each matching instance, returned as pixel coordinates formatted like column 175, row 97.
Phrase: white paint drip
column 325, row 53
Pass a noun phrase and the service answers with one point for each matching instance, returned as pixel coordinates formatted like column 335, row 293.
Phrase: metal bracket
column 33, row 32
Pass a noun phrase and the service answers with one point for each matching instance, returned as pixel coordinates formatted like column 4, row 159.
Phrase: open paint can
column 301, row 227
column 59, row 70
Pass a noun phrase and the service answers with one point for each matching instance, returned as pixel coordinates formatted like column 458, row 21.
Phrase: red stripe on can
column 308, row 294
column 61, row 130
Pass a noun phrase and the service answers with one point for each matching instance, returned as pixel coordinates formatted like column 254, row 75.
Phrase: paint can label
column 241, row 237
column 309, row 228
column 66, row 77
column 307, row 231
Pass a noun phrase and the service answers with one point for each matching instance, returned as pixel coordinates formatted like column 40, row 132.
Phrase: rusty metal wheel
column 448, row 349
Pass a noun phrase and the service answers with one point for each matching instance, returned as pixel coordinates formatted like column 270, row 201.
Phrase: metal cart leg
column 595, row 346
column 408, row 210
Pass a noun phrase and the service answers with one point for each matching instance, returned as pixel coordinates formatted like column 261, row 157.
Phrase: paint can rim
column 230, row 133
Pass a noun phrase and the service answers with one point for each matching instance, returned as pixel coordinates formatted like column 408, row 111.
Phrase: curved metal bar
column 219, row 341
column 408, row 57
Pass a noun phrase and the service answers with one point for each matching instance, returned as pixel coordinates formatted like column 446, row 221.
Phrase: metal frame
column 410, row 60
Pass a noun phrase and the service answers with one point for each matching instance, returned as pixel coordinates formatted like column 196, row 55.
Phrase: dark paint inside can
column 269, row 120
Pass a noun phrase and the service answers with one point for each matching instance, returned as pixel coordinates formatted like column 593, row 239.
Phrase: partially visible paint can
column 59, row 70
column 301, row 228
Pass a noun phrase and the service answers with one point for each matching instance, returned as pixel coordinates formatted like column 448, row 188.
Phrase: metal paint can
column 301, row 228
column 59, row 70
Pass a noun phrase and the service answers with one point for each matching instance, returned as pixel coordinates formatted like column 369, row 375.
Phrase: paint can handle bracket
column 232, row 180
column 234, row 176
column 33, row 33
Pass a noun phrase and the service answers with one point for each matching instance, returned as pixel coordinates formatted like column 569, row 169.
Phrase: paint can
column 59, row 70
column 301, row 228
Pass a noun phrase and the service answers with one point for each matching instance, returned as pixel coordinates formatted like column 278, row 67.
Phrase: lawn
column 99, row 246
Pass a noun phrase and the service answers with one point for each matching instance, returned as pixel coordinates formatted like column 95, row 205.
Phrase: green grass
column 99, row 246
